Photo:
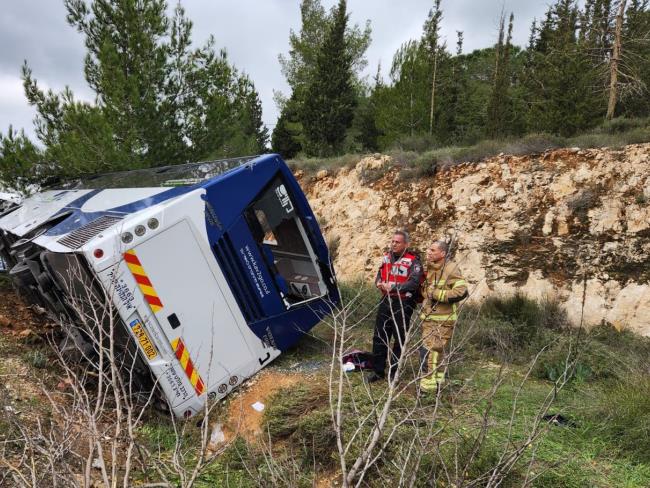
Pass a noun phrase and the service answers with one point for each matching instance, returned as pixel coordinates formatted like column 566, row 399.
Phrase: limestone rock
column 516, row 224
column 607, row 217
column 631, row 308
column 638, row 218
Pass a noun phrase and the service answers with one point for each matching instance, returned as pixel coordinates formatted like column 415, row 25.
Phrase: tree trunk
column 613, row 65
column 433, row 92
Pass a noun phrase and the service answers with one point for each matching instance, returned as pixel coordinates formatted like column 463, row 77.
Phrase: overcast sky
column 253, row 32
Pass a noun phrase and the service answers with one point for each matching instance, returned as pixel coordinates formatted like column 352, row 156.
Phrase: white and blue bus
column 214, row 268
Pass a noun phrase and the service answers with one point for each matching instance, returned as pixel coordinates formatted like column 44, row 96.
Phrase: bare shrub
column 92, row 434
column 392, row 433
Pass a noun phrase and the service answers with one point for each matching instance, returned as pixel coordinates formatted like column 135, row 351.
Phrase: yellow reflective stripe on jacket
column 441, row 295
column 459, row 283
column 440, row 318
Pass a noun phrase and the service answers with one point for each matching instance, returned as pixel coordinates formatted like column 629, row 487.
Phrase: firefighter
column 443, row 289
column 399, row 280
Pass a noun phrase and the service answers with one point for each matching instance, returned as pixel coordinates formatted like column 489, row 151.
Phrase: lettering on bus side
column 267, row 339
column 283, row 196
column 176, row 384
column 122, row 290
column 212, row 217
column 254, row 271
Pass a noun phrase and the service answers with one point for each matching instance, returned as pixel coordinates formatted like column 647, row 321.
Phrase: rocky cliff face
column 571, row 224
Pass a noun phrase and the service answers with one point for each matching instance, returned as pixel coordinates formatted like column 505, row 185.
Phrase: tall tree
column 158, row 100
column 499, row 105
column 300, row 65
column 331, row 97
column 634, row 65
column 367, row 133
column 562, row 81
column 614, row 62
column 125, row 66
column 430, row 41
column 287, row 134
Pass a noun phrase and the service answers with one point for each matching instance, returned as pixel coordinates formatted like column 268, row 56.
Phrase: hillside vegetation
column 529, row 400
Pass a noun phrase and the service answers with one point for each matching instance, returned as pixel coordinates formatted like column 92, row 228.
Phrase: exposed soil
column 22, row 321
column 243, row 419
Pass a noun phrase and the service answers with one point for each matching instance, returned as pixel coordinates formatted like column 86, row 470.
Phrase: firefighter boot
column 429, row 382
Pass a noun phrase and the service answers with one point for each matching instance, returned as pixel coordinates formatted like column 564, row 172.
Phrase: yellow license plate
column 145, row 343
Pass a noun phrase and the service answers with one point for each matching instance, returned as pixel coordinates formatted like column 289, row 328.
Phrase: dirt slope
column 567, row 223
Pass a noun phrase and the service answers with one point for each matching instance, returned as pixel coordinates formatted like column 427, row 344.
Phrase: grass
column 606, row 400
column 420, row 156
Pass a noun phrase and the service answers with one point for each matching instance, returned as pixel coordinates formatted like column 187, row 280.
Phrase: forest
column 585, row 64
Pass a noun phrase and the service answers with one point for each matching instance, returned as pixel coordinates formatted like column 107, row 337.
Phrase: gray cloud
column 253, row 32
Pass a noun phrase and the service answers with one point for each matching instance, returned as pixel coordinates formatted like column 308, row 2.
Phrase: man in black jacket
column 398, row 279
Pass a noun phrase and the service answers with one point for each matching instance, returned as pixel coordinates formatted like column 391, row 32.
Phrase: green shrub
column 637, row 136
column 513, row 328
column 158, row 433
column 369, row 175
column 417, row 143
column 631, row 351
column 596, row 140
column 600, row 354
column 36, row 358
column 580, row 360
column 401, row 157
column 623, row 124
column 250, row 465
column 312, row 165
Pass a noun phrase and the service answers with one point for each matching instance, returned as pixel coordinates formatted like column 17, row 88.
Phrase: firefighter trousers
column 435, row 336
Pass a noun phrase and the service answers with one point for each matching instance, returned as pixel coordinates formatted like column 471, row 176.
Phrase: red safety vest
column 397, row 272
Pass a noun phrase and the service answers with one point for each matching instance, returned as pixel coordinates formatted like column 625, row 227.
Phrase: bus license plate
column 145, row 343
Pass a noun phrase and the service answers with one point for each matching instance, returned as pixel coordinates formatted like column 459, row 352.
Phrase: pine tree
column 287, row 133
column 330, row 100
column 125, row 67
column 158, row 100
column 561, row 79
column 299, row 67
column 367, row 133
column 19, row 161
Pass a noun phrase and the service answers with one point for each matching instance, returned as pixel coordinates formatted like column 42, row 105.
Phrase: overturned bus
column 212, row 269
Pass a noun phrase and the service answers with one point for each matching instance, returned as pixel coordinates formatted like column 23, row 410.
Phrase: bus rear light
column 98, row 253
column 140, row 230
column 153, row 223
column 127, row 237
